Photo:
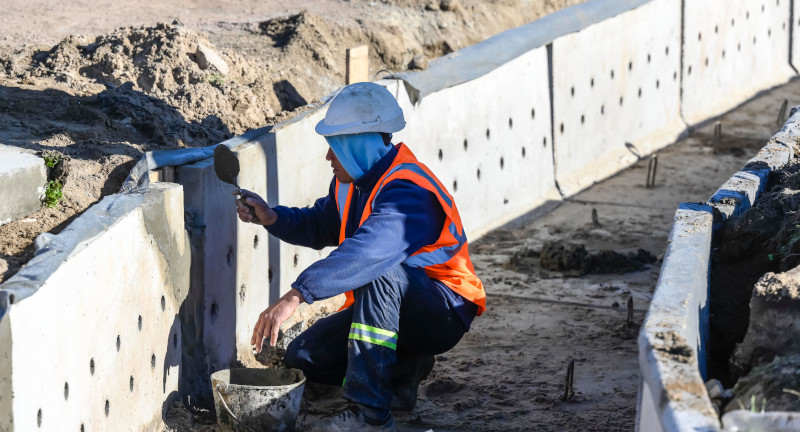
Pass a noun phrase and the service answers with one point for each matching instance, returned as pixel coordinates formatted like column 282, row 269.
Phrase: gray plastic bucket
column 256, row 400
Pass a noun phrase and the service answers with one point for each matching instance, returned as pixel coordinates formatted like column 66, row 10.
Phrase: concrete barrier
column 674, row 336
column 616, row 93
column 99, row 344
column 22, row 180
column 731, row 51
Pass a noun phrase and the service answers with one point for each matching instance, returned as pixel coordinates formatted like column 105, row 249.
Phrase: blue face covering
column 358, row 152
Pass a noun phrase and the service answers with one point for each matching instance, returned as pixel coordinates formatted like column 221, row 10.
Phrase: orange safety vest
column 447, row 260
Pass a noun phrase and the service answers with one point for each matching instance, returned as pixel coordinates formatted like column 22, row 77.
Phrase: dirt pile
column 762, row 239
column 765, row 387
column 564, row 257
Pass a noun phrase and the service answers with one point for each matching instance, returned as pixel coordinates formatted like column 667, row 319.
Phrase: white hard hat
column 362, row 107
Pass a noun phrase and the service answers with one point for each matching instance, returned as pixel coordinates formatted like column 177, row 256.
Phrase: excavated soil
column 103, row 85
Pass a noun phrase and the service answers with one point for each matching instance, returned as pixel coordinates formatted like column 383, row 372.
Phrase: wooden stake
column 357, row 64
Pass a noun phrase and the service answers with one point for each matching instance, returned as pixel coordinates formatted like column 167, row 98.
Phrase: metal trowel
column 226, row 165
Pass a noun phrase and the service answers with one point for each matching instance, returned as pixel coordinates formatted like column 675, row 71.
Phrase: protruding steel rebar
column 717, row 136
column 629, row 319
column 595, row 220
column 782, row 113
column 569, row 393
column 652, row 167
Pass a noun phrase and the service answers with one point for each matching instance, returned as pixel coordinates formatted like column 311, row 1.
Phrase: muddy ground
column 69, row 94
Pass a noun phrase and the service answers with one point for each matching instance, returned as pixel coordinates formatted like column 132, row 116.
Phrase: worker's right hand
column 265, row 215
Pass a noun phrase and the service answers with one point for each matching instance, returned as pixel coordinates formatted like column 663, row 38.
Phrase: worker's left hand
column 269, row 322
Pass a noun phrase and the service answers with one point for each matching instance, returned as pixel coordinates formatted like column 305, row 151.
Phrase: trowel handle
column 243, row 194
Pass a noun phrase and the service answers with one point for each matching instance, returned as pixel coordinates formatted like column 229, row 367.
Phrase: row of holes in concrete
column 119, row 346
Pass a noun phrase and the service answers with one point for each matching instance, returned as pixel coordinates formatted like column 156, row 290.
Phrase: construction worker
column 402, row 260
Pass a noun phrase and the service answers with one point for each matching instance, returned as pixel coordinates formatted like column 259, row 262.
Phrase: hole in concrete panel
column 769, row 32
column 666, row 50
column 723, row 53
column 82, row 428
column 478, row 174
column 269, row 274
column 130, row 383
column 229, row 256
column 762, row 7
column 583, row 118
column 716, row 29
column 630, row 65
column 640, row 92
column 66, row 391
column 690, row 70
column 153, row 361
column 699, row 36
column 544, row 142
column 783, row 26
column 754, row 40
column 733, row 21
column 648, row 57
column 657, row 84
column 163, row 303
column 441, row 156
column 488, row 134
column 214, row 312
column 602, row 109
column 455, row 185
column 523, row 152
column 296, row 259
column 91, row 366
column 612, row 73
column 510, row 123
column 572, row 91
column 562, row 128
column 466, row 144
column 739, row 46
column 119, row 343
column 255, row 242
column 675, row 76
column 620, row 101
column 175, row 340
column 706, row 61
column 140, row 323
column 505, row 200
column 39, row 418
column 591, row 83
column 747, row 15
column 108, row 407
column 502, row 162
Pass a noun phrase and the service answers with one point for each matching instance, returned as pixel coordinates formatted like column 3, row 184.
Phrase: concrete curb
column 674, row 336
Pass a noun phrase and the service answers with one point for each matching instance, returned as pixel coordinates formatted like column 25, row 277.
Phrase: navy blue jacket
column 405, row 217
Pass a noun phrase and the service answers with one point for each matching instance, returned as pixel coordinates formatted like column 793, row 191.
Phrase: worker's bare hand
column 266, row 216
column 269, row 322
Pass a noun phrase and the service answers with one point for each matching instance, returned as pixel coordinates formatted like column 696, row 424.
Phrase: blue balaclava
column 358, row 152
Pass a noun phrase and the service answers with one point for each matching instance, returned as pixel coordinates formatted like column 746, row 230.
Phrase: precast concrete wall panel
column 98, row 346
column 732, row 50
column 487, row 140
column 794, row 26
column 230, row 282
column 298, row 175
column 616, row 93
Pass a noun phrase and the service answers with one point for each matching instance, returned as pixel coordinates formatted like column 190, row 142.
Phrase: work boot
column 351, row 420
column 407, row 383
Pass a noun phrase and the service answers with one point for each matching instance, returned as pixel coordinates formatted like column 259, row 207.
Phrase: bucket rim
column 247, row 386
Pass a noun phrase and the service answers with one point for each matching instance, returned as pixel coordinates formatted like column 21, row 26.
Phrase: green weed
column 52, row 193
column 51, row 158
column 753, row 408
column 216, row 79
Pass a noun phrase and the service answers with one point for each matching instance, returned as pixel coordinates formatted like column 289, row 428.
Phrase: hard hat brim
column 395, row 125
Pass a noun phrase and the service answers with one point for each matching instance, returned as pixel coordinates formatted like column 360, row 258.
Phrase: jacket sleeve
column 315, row 227
column 404, row 218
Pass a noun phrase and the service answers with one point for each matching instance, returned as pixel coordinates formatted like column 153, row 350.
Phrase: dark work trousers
column 395, row 318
